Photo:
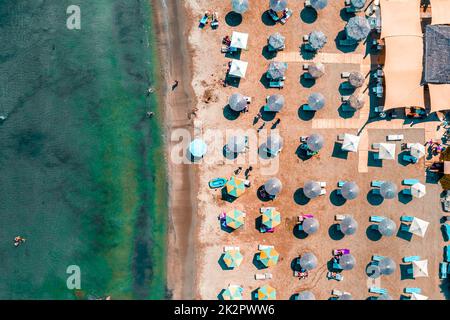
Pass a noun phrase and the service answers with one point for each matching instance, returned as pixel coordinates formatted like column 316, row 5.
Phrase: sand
column 209, row 67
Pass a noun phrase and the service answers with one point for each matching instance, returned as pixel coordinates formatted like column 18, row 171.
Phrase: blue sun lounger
column 341, row 184
column 307, row 75
column 377, row 258
column 413, row 290
column 446, row 231
column 411, row 259
column 443, row 266
column 377, row 290
column 410, row 182
column 306, row 107
column 276, row 84
column 376, row 183
column 409, row 158
column 404, row 227
column 273, row 15
column 447, row 254
column 407, row 192
column 204, row 20
column 406, row 218
column 376, row 218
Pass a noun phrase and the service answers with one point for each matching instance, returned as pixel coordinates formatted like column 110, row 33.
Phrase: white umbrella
column 278, row 5
column 237, row 102
column 417, row 296
column 420, row 268
column 238, row 68
column 418, row 190
column 239, row 6
column 273, row 186
column 417, row 150
column 236, row 144
column 387, row 151
column 239, row 40
column 351, row 142
column 387, row 227
column 419, row 227
column 388, row 190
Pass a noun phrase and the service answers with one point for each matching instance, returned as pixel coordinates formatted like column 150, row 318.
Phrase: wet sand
column 171, row 24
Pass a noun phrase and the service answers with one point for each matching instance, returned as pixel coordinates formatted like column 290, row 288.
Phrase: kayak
column 217, row 183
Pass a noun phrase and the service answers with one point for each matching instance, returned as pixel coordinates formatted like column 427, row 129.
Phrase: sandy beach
column 209, row 68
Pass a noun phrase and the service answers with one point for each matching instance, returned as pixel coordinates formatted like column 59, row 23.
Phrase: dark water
column 81, row 168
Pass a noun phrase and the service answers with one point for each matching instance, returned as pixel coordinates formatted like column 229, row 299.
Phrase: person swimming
column 18, row 241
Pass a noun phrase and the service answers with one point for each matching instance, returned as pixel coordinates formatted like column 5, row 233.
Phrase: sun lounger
column 306, row 107
column 378, row 109
column 407, row 192
column 204, row 20
column 303, row 138
column 443, row 270
column 307, row 3
column 409, row 158
column 410, row 182
column 446, row 231
column 264, row 209
column 376, row 218
column 287, row 15
column 346, row 85
column 228, row 248
column 273, row 15
column 322, row 184
column 377, row 290
column 413, row 290
column 305, row 67
column 447, row 254
column 347, row 42
column 345, row 99
column 323, row 192
column 376, row 183
column 336, row 265
column 345, row 75
column 276, row 84
column 394, row 137
column 343, row 251
column 306, row 38
column 375, row 146
column 406, row 218
column 410, row 259
column 377, row 258
column 404, row 228
column 263, row 276
column 339, row 217
column 335, row 276
column 340, row 137
column 263, row 246
column 341, row 183
column 336, row 292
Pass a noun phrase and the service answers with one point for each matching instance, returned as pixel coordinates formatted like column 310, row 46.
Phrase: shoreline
column 177, row 64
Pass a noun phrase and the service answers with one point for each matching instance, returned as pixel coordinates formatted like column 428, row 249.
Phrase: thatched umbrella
column 278, row 5
column 348, row 226
column 239, row 6
column 388, row 190
column 315, row 142
column 237, row 102
column 273, row 186
column 316, row 70
column 310, row 225
column 275, row 103
column 319, row 4
column 356, row 79
column 316, row 101
column 347, row 262
column 308, row 261
column 312, row 189
column 387, row 266
column 357, row 28
column 276, row 41
column 350, row 190
column 357, row 101
column 317, row 39
column 277, row 69
column 387, row 227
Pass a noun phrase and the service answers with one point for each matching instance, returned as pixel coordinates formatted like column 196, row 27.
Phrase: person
column 18, row 241
column 175, row 84
column 150, row 114
column 239, row 169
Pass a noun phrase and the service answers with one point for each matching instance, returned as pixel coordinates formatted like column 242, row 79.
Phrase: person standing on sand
column 175, row 85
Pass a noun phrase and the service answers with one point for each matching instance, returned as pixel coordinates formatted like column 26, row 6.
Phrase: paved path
column 352, row 58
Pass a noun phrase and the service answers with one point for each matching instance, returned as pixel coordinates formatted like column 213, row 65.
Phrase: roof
column 440, row 11
column 437, row 54
column 400, row 18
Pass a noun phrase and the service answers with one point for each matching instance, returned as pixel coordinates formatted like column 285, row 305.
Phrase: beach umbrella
column 237, row 102
column 387, row 266
column 356, row 79
column 417, row 296
column 345, row 296
column 388, row 190
column 308, row 261
column 236, row 144
column 417, row 150
column 420, row 268
column 373, row 271
column 350, row 190
column 310, row 225
column 233, row 258
column 238, row 68
column 348, row 226
column 268, row 257
column 357, row 28
column 239, row 40
column 387, row 151
column 317, row 40
column 271, row 218
column 274, row 143
column 233, row 292
column 266, row 292
column 315, row 142
column 418, row 227
column 275, row 103
column 316, row 70
column 197, row 148
column 239, row 6
column 347, row 261
column 277, row 69
column 312, row 189
column 357, row 101
column 305, row 295
column 234, row 218
column 316, row 101
column 358, row 4
column 319, row 4
column 277, row 41
column 418, row 190
column 273, row 186
column 384, row 296
column 235, row 187
column 278, row 5
column 387, row 227
column 351, row 142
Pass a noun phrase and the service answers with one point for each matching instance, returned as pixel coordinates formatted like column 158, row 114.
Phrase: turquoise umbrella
column 197, row 148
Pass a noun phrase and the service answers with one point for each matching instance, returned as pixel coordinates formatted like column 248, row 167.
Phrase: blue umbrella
column 357, row 28
column 319, row 4
column 239, row 6
column 317, row 40
column 197, row 148
column 358, row 4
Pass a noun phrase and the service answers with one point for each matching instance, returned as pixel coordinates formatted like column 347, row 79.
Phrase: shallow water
column 81, row 167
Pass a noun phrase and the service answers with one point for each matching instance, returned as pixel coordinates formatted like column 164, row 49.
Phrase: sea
column 82, row 167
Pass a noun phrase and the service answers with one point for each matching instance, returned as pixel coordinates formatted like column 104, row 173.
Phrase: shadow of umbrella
column 233, row 19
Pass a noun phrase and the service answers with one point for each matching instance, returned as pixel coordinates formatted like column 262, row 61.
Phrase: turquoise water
column 81, row 166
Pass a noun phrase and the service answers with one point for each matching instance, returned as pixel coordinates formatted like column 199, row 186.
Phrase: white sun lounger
column 345, row 75
column 306, row 38
column 395, row 137
column 263, row 276
column 336, row 292
column 228, row 248
column 264, row 209
column 339, row 217
column 263, row 246
column 322, row 184
column 323, row 192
